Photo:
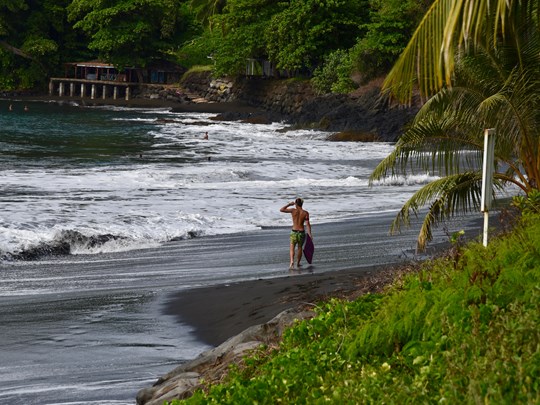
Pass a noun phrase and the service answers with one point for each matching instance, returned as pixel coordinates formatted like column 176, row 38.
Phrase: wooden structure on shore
column 102, row 80
column 85, row 88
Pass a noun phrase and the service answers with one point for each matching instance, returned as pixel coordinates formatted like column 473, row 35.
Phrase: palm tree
column 429, row 58
column 485, row 76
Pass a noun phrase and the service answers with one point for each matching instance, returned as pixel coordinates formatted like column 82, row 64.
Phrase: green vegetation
column 390, row 26
column 35, row 38
column 300, row 36
column 463, row 329
column 479, row 61
column 132, row 33
column 296, row 37
column 334, row 75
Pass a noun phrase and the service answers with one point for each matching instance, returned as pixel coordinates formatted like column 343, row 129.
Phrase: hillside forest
column 337, row 44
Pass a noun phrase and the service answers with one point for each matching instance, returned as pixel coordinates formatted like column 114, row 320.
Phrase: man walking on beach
column 298, row 232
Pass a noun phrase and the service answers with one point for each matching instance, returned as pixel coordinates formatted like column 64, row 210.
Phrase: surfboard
column 309, row 249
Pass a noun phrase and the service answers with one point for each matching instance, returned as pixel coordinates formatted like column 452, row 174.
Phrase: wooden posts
column 94, row 89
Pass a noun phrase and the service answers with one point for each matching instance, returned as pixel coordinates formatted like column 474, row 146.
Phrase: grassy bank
column 464, row 329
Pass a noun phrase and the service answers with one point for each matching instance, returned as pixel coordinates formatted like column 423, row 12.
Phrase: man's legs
column 299, row 256
column 291, row 253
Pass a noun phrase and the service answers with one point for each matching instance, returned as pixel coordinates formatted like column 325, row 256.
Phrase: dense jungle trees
column 132, row 33
column 298, row 36
column 35, row 38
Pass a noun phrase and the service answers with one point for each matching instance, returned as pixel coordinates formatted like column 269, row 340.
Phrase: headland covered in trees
column 337, row 43
column 296, row 61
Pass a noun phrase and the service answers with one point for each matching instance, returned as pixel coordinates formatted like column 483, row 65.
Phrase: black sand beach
column 220, row 312
column 365, row 264
column 139, row 314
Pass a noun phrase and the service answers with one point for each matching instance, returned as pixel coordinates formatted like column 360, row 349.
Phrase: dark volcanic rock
column 342, row 113
column 294, row 102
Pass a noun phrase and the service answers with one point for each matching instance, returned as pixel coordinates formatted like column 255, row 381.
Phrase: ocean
column 93, row 180
column 106, row 210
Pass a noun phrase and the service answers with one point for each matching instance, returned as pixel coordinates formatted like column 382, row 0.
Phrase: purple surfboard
column 309, row 249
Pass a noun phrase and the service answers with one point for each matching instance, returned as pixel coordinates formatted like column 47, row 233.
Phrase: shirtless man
column 298, row 232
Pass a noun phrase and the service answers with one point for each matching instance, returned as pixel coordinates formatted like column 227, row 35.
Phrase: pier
column 99, row 80
column 92, row 89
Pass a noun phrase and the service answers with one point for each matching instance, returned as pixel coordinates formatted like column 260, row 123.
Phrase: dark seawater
column 95, row 180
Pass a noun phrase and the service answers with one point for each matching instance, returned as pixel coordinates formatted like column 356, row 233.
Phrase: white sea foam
column 183, row 186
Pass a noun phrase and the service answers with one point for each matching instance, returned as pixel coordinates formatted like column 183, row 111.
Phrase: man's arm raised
column 286, row 208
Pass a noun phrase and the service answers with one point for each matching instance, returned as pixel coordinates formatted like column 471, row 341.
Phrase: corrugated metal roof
column 93, row 63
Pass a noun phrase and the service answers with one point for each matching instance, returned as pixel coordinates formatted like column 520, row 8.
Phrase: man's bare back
column 299, row 216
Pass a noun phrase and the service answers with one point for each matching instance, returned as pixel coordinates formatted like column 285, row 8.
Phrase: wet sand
column 113, row 322
column 367, row 263
column 220, row 312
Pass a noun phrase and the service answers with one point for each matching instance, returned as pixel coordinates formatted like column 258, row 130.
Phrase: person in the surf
column 300, row 219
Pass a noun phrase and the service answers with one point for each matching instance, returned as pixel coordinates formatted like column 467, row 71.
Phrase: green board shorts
column 298, row 237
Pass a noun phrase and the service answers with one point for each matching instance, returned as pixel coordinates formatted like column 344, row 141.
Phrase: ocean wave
column 59, row 246
column 72, row 242
column 406, row 180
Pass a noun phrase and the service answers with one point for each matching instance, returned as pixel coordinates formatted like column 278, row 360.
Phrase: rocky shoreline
column 363, row 115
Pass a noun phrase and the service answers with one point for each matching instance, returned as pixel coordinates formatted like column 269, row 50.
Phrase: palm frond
column 446, row 196
column 428, row 60
column 435, row 144
column 479, row 60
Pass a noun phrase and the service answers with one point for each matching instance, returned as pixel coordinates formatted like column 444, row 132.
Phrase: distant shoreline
column 175, row 106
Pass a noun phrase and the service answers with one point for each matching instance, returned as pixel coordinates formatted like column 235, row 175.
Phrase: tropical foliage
column 294, row 35
column 301, row 34
column 204, row 9
column 391, row 25
column 240, row 32
column 491, row 81
column 128, row 33
column 449, row 26
column 37, row 37
column 334, row 75
column 462, row 330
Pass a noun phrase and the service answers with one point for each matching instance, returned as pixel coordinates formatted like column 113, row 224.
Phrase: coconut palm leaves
column 492, row 87
column 448, row 26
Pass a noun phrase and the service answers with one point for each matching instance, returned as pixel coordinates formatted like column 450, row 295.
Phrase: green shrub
column 334, row 76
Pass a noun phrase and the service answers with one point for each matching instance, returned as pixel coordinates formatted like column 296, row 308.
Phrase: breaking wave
column 67, row 242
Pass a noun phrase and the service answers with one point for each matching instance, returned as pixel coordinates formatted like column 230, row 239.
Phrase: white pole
column 487, row 178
